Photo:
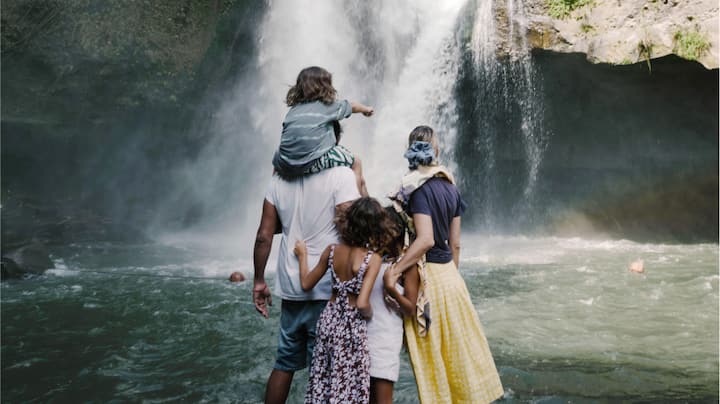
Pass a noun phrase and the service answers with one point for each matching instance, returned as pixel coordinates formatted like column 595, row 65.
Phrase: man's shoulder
column 334, row 177
column 337, row 183
column 339, row 174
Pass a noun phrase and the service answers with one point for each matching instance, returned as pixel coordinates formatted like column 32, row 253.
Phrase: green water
column 564, row 318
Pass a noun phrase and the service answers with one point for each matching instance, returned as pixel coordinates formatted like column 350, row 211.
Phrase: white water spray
column 400, row 58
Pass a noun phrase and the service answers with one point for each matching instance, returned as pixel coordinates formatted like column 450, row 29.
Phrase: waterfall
column 504, row 139
column 399, row 57
column 408, row 59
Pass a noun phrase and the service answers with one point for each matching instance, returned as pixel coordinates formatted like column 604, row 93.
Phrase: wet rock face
column 628, row 31
column 29, row 259
column 628, row 154
column 86, row 90
column 98, row 103
column 139, row 53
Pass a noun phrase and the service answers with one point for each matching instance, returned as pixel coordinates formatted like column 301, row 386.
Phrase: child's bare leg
column 357, row 169
column 381, row 391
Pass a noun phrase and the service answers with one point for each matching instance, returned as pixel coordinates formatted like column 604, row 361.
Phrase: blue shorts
column 297, row 333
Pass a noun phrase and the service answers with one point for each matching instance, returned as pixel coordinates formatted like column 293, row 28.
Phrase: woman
column 451, row 358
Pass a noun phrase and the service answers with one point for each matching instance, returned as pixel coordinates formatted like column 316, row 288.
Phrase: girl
column 341, row 363
column 451, row 358
column 308, row 144
column 385, row 329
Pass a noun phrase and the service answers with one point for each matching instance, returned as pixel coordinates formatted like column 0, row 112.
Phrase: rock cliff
column 626, row 31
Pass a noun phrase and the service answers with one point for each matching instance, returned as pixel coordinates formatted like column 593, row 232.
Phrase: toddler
column 385, row 329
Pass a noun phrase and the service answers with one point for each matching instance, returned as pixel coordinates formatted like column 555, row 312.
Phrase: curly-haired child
column 340, row 369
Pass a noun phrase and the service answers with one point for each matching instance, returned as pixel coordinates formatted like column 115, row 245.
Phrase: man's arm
column 263, row 243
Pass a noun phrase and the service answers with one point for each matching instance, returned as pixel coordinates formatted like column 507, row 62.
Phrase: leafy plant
column 645, row 49
column 690, row 44
column 561, row 8
column 586, row 28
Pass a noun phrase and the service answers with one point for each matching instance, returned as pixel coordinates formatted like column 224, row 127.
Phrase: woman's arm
column 423, row 242
column 363, row 299
column 308, row 279
column 408, row 299
column 454, row 239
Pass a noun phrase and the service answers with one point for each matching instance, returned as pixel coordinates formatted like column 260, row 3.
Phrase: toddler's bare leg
column 381, row 391
column 357, row 169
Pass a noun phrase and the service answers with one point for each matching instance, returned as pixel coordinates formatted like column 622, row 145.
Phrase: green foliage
column 561, row 8
column 690, row 44
column 586, row 28
column 645, row 49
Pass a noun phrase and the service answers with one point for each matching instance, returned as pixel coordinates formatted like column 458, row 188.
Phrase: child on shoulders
column 308, row 143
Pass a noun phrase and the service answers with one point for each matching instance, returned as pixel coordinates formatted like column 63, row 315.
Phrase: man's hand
column 262, row 298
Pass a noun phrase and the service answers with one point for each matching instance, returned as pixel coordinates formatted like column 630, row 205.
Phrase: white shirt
column 384, row 332
column 306, row 208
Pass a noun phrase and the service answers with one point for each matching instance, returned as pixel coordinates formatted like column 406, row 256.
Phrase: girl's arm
column 454, row 240
column 357, row 107
column 408, row 299
column 308, row 279
column 363, row 299
column 423, row 242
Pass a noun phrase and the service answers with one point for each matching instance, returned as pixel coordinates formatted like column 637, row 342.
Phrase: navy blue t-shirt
column 441, row 200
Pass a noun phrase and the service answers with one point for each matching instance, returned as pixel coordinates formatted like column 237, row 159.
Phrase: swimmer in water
column 637, row 266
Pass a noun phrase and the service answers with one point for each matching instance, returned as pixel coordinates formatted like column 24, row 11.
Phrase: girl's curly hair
column 313, row 84
column 366, row 224
column 397, row 231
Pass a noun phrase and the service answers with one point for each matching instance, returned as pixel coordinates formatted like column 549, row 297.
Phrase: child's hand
column 391, row 277
column 300, row 248
column 391, row 304
column 368, row 111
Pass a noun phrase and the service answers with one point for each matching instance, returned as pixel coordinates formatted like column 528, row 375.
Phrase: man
column 306, row 208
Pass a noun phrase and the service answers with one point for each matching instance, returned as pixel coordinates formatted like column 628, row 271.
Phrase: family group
column 358, row 280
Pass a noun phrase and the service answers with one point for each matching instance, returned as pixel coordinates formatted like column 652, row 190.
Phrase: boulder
column 30, row 259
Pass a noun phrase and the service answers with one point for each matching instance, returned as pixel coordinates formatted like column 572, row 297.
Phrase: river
column 565, row 320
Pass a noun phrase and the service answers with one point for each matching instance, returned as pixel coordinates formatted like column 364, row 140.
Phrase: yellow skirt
column 452, row 363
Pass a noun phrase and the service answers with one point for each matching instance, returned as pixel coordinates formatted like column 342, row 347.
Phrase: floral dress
column 340, row 371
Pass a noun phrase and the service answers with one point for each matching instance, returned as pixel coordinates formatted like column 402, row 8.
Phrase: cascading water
column 399, row 57
column 408, row 61
column 421, row 94
column 503, row 137
column 565, row 319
